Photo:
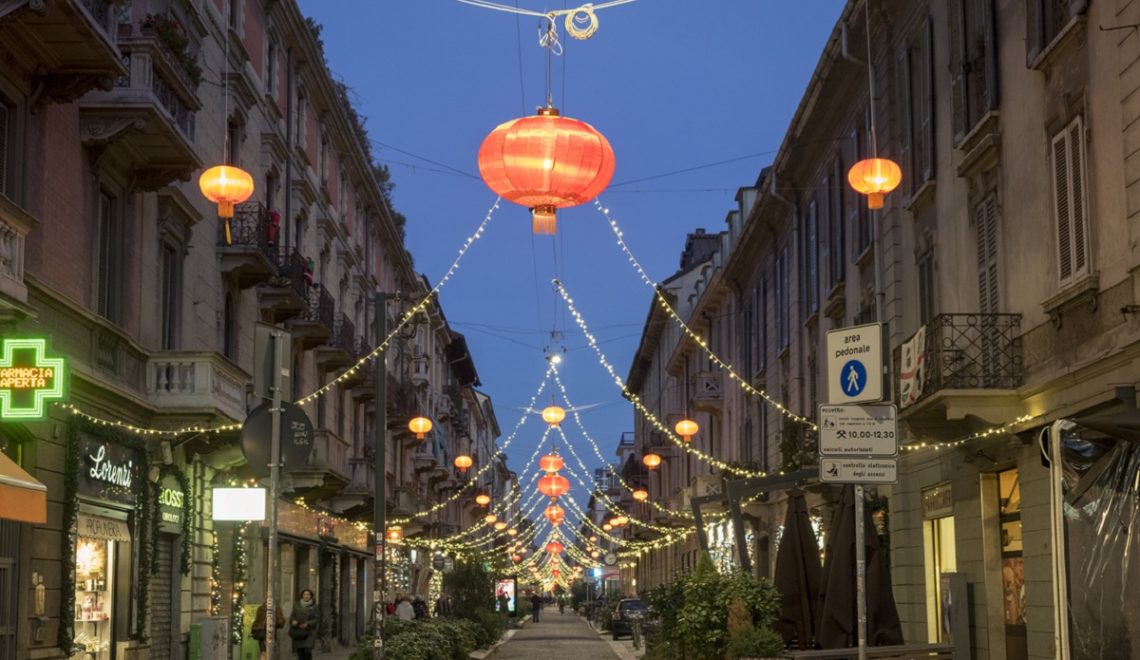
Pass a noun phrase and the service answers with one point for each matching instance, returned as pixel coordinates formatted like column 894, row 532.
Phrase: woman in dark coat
column 305, row 617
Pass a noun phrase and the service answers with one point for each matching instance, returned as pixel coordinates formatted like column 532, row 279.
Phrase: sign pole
column 380, row 446
column 274, row 486
column 860, row 573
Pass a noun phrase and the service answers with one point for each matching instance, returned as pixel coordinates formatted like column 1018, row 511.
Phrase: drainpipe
column 844, row 50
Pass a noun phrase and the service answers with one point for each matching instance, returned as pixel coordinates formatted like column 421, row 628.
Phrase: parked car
column 624, row 613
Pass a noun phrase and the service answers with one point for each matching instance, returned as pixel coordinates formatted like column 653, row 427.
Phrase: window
column 1069, row 186
column 233, row 142
column 926, row 287
column 1044, row 22
column 761, row 306
column 235, row 14
column 783, row 323
column 324, row 159
column 858, row 215
column 810, row 244
column 986, row 225
column 271, row 66
column 973, row 63
column 108, row 253
column 271, row 190
column 170, row 265
column 836, row 236
column 918, row 67
column 747, row 338
column 7, row 147
column 299, row 129
column 939, row 554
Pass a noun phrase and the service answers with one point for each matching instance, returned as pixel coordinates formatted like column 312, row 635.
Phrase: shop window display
column 94, row 566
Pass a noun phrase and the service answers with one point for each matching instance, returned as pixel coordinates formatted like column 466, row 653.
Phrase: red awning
column 22, row 498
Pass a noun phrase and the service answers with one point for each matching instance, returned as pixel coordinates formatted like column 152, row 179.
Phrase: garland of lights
column 703, row 344
column 241, row 575
column 215, row 575
column 636, row 400
column 612, row 506
column 997, row 430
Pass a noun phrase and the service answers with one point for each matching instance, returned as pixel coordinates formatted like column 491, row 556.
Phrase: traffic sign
column 296, row 437
column 858, row 470
column 855, row 364
column 867, row 431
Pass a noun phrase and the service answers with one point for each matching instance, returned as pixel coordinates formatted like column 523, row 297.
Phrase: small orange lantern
column 490, row 518
column 395, row 533
column 553, row 415
column 226, row 186
column 546, row 162
column 651, row 460
column 554, row 547
column 513, row 532
column 500, row 526
column 607, row 527
column 555, row 514
column 420, row 426
column 551, row 462
column 463, row 462
column 640, row 494
column 686, row 428
column 595, row 554
column 874, row 177
column 516, row 558
column 482, row 499
column 593, row 539
column 553, row 485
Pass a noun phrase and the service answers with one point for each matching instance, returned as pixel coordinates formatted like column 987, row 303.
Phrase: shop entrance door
column 9, row 587
column 164, row 600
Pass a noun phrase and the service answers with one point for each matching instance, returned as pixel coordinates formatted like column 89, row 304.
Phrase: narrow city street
column 555, row 637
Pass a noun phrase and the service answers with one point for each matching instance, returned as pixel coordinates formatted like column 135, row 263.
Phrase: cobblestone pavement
column 555, row 637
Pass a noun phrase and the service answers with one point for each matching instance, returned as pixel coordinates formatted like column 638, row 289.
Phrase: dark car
column 624, row 613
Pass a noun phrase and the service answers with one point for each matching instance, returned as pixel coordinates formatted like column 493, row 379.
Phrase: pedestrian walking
column 535, row 606
column 405, row 611
column 561, row 606
column 420, row 608
column 257, row 630
column 303, row 625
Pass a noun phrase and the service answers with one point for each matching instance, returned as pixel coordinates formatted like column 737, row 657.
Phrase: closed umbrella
column 836, row 627
column 797, row 575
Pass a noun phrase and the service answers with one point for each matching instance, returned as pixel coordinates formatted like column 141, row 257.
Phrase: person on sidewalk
column 561, row 605
column 303, row 625
column 535, row 606
column 257, row 630
column 404, row 610
column 443, row 606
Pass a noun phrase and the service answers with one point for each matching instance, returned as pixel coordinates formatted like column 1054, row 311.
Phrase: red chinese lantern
column 686, row 428
column 554, row 572
column 516, row 559
column 554, row 547
column 226, row 186
column 640, row 494
column 463, row 462
column 551, row 463
column 553, row 485
column 553, row 415
column 651, row 460
column 546, row 162
column 874, row 177
column 482, row 499
column 555, row 514
column 490, row 518
column 420, row 426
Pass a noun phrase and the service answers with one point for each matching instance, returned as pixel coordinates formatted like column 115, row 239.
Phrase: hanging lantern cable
column 226, row 112
column 870, row 79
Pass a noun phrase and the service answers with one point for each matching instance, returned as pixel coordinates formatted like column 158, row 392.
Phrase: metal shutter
column 162, row 610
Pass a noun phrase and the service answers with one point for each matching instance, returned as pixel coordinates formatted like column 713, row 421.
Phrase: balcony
column 147, row 116
column 363, row 382
column 327, row 471
column 14, row 227
column 340, row 351
column 357, row 497
column 196, row 383
column 421, row 371
column 317, row 320
column 971, row 366
column 284, row 296
column 251, row 257
column 72, row 43
column 403, row 502
column 708, row 392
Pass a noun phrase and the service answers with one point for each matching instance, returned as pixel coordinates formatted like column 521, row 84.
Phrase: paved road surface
column 555, row 637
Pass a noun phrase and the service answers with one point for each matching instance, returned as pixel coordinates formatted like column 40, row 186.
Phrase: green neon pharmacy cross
column 29, row 379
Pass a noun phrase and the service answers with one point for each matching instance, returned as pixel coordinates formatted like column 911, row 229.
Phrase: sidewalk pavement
column 555, row 637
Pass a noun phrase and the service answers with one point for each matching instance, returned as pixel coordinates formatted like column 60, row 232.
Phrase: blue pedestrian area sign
column 855, row 364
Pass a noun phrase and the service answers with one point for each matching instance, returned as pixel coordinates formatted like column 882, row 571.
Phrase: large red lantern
column 874, row 177
column 555, row 514
column 546, row 162
column 551, row 463
column 554, row 547
column 553, row 485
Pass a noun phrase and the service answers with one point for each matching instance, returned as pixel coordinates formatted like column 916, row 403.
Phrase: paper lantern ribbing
column 551, row 463
column 546, row 162
column 553, row 485
column 874, row 177
column 420, row 426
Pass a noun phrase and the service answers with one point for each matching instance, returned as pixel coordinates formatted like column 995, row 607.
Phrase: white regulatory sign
column 858, row 470
column 866, row 431
column 855, row 364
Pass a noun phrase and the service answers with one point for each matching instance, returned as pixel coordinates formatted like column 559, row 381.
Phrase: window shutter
column 1061, row 205
column 928, row 130
column 1034, row 30
column 986, row 226
column 989, row 27
column 907, row 151
column 4, row 148
column 957, row 69
column 1079, row 216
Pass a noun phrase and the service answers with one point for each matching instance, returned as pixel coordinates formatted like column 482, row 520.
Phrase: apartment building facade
column 1001, row 269
column 109, row 111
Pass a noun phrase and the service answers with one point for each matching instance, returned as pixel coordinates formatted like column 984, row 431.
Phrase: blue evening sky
column 671, row 84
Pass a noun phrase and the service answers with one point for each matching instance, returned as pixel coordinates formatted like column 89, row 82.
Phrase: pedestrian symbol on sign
column 853, row 377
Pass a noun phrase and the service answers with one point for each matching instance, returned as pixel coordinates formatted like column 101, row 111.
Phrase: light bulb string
column 421, row 306
column 636, row 400
column 700, row 342
column 615, row 508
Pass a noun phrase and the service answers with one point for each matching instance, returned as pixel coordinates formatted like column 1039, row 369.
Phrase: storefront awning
column 22, row 497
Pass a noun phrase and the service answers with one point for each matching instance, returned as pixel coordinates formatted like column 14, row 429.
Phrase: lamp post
column 380, row 498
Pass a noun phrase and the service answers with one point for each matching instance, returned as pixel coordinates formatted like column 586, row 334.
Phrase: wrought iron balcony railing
column 963, row 352
column 321, row 308
column 292, row 268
